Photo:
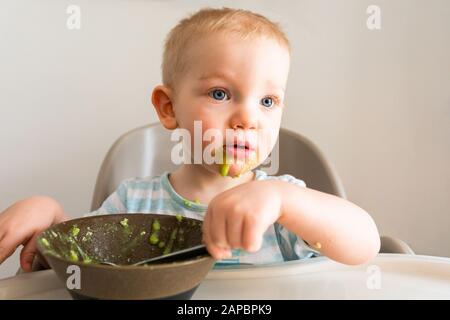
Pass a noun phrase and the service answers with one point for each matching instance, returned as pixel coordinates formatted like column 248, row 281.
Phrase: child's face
column 234, row 84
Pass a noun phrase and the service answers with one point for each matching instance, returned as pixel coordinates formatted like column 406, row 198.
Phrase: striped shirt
column 156, row 195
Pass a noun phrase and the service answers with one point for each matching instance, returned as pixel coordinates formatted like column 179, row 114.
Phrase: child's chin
column 237, row 169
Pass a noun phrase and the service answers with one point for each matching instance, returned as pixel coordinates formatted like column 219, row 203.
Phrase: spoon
column 170, row 257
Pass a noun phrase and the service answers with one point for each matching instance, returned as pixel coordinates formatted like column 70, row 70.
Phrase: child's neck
column 194, row 182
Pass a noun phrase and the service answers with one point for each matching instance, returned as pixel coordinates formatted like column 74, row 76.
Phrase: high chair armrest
column 394, row 245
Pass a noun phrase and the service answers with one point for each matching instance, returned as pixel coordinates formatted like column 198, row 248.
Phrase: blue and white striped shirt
column 156, row 195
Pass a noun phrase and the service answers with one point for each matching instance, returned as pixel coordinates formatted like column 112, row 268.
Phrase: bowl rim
column 45, row 253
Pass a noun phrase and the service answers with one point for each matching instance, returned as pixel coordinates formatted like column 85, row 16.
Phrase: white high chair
column 145, row 151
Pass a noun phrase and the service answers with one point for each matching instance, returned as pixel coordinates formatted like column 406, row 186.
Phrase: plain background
column 376, row 102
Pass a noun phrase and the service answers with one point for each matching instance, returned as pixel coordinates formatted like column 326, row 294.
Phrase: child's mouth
column 238, row 158
column 238, row 151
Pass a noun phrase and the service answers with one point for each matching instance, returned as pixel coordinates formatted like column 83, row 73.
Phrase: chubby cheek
column 212, row 131
column 268, row 134
column 198, row 110
column 203, row 131
column 210, row 123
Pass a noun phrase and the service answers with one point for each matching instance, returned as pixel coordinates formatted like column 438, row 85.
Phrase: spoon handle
column 177, row 255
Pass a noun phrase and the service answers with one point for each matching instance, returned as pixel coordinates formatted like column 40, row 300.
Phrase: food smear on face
column 227, row 160
column 236, row 167
column 224, row 169
column 251, row 162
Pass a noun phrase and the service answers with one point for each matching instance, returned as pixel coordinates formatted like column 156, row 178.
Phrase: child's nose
column 244, row 118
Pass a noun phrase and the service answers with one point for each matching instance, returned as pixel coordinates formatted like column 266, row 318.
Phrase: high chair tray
column 388, row 276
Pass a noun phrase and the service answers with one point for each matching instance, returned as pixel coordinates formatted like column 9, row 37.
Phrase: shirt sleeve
column 115, row 203
column 288, row 178
column 292, row 246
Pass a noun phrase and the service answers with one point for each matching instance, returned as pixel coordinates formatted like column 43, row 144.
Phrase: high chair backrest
column 146, row 151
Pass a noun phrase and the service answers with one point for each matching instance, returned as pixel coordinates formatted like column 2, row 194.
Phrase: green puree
column 173, row 236
column 224, row 168
column 156, row 226
column 188, row 203
column 154, row 238
column 72, row 252
column 45, row 242
column 75, row 231
column 124, row 222
column 73, row 255
column 126, row 227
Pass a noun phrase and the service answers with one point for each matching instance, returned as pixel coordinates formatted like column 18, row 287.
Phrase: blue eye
column 218, row 94
column 267, row 102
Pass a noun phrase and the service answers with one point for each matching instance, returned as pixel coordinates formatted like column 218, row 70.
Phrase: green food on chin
column 224, row 168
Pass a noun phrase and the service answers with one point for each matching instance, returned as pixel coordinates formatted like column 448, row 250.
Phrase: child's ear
column 162, row 99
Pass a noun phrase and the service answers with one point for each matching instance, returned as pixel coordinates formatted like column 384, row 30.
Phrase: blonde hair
column 239, row 22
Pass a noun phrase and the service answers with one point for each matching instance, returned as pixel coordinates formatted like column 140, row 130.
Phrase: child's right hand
column 21, row 223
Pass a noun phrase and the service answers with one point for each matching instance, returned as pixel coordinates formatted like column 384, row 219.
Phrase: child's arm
column 21, row 223
column 238, row 218
column 336, row 227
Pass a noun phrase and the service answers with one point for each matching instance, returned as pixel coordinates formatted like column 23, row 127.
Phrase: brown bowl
column 75, row 248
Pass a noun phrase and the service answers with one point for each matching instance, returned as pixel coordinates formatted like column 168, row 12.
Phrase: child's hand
column 238, row 217
column 22, row 222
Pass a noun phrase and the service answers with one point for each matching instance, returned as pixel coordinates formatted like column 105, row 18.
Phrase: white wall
column 376, row 102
